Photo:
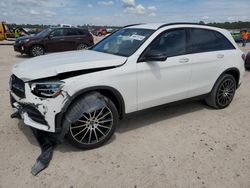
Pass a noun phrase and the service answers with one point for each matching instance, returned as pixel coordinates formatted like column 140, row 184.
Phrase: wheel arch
column 37, row 44
column 232, row 71
column 113, row 94
column 235, row 73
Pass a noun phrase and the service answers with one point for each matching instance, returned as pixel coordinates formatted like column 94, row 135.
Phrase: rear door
column 72, row 36
column 208, row 50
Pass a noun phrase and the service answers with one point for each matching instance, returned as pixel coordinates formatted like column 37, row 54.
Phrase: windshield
column 123, row 42
column 43, row 32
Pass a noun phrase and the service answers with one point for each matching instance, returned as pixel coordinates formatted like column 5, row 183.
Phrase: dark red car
column 101, row 32
column 54, row 40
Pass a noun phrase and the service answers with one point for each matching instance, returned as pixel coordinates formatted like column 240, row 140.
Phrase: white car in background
column 85, row 93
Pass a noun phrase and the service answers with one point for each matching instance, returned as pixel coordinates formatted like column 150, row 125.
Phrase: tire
column 92, row 134
column 222, row 93
column 81, row 46
column 36, row 50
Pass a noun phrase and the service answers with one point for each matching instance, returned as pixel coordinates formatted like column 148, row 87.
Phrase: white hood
column 51, row 65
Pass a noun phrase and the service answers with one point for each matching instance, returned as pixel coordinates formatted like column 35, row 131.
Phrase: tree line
column 225, row 25
column 230, row 25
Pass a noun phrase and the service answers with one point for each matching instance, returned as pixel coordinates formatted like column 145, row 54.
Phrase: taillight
column 243, row 57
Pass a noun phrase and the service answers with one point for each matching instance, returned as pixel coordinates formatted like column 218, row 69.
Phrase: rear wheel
column 82, row 47
column 36, row 50
column 93, row 129
column 222, row 93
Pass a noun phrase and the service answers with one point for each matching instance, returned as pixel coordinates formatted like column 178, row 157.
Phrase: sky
column 122, row 12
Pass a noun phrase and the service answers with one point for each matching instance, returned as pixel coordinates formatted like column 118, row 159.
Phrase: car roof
column 81, row 29
column 64, row 28
column 156, row 26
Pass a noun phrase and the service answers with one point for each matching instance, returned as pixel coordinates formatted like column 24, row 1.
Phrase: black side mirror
column 154, row 55
column 50, row 37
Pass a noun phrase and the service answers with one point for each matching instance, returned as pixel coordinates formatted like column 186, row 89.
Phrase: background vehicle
column 247, row 62
column 237, row 37
column 100, row 32
column 54, row 40
column 62, row 25
column 135, row 68
column 5, row 32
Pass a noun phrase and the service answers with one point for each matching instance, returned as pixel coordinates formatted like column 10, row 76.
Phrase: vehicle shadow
column 157, row 114
column 27, row 132
column 22, row 56
column 131, row 122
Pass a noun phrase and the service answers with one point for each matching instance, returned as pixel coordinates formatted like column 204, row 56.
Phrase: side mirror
column 50, row 37
column 154, row 55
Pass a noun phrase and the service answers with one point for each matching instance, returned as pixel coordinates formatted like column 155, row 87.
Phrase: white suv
column 83, row 94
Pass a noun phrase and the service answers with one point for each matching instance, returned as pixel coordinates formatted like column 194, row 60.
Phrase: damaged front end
column 37, row 102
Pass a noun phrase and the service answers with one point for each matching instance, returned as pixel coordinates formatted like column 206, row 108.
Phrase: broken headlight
column 47, row 89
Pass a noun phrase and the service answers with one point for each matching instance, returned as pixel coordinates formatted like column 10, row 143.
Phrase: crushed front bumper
column 38, row 112
column 30, row 114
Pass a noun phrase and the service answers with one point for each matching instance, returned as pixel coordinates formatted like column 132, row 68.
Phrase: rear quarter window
column 71, row 32
column 204, row 40
column 83, row 31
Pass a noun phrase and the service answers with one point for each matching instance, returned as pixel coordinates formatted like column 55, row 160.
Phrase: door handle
column 220, row 56
column 62, row 39
column 184, row 60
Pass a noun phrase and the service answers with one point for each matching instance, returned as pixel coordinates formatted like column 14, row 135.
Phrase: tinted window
column 71, row 32
column 202, row 40
column 57, row 33
column 170, row 43
column 222, row 42
column 83, row 31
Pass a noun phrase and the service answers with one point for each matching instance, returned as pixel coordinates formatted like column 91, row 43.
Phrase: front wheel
column 222, row 93
column 36, row 50
column 92, row 130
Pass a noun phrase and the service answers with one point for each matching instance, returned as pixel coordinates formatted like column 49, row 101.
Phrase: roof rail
column 179, row 23
column 131, row 25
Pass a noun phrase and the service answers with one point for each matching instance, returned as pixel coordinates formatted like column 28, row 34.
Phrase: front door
column 56, row 41
column 161, row 82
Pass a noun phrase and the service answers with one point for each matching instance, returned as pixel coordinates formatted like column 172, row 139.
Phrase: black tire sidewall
column 217, row 87
column 75, row 143
column 77, row 48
